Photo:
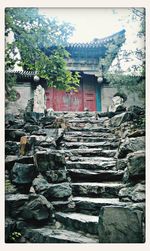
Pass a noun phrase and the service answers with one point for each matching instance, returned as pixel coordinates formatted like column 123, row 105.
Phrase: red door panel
column 89, row 93
column 61, row 101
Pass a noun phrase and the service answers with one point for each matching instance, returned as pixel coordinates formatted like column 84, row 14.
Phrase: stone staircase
column 89, row 148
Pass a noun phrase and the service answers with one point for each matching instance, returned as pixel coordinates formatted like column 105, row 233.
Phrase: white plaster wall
column 26, row 93
column 108, row 92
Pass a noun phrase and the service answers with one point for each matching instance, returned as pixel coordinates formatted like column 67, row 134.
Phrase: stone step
column 78, row 221
column 102, row 145
column 48, row 235
column 89, row 134
column 92, row 164
column 92, row 206
column 103, row 189
column 91, row 129
column 91, row 152
column 83, row 175
column 87, row 139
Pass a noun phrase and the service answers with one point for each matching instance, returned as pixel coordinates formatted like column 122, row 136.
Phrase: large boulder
column 135, row 169
column 46, row 161
column 117, row 120
column 118, row 224
column 37, row 209
column 56, row 176
column 130, row 145
column 52, row 191
column 133, row 193
column 11, row 148
column 22, row 174
column 14, row 203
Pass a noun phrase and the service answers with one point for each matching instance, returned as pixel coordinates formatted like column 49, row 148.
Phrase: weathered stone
column 14, row 203
column 93, row 164
column 103, row 190
column 11, row 148
column 136, row 133
column 117, row 104
column 56, row 176
column 23, row 173
column 14, row 135
column 46, row 161
column 92, row 206
column 133, row 193
column 77, row 221
column 11, row 159
column 30, row 128
column 121, row 164
column 117, row 120
column 38, row 209
column 131, row 145
column 57, row 191
column 136, row 110
column 120, row 225
column 52, row 191
column 39, row 100
column 40, row 184
column 48, row 235
column 83, row 175
column 135, row 167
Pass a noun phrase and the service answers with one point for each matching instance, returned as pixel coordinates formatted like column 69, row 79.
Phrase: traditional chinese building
column 93, row 93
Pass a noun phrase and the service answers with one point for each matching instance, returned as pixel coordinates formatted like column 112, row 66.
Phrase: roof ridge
column 99, row 41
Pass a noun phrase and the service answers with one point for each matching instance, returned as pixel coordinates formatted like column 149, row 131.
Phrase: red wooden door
column 61, row 101
column 89, row 93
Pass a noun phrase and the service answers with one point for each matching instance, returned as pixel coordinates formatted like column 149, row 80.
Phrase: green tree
column 33, row 35
column 133, row 77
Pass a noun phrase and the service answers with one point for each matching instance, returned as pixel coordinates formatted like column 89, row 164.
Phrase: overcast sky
column 98, row 23
column 95, row 23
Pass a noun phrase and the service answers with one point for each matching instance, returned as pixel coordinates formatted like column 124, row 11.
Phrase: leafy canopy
column 32, row 33
column 133, row 77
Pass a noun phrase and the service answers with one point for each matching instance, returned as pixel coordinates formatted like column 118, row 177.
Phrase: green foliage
column 132, row 79
column 10, row 82
column 9, row 187
column 14, row 237
column 34, row 33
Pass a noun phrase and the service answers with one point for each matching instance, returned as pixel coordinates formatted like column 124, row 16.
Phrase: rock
column 135, row 167
column 14, row 203
column 117, row 120
column 118, row 224
column 39, row 100
column 9, row 118
column 11, row 148
column 56, row 176
column 40, row 184
column 14, row 135
column 11, row 159
column 37, row 209
column 136, row 110
column 57, row 191
column 30, row 128
column 131, row 145
column 22, row 174
column 48, row 235
column 121, row 164
column 133, row 193
column 52, row 191
column 136, row 133
column 46, row 161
